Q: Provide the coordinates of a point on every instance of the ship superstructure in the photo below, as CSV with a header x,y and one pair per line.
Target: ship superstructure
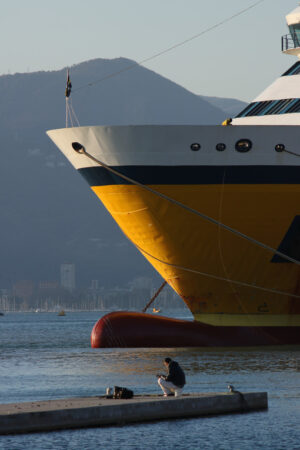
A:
x,y
215,209
279,104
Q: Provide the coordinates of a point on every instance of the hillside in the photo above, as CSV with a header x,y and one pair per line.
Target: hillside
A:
x,y
48,213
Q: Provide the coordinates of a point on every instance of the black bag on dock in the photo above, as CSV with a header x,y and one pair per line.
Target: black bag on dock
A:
x,y
122,392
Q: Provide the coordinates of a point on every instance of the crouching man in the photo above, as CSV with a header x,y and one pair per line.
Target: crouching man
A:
x,y
172,384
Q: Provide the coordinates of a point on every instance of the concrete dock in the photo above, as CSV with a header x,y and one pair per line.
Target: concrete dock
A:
x,y
98,411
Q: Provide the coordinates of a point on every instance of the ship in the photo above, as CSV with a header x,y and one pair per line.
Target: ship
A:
x,y
215,209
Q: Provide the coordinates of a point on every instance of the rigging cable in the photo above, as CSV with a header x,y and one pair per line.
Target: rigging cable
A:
x,y
70,113
173,47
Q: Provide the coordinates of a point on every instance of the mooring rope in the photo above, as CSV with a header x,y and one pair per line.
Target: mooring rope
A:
x,y
209,275
291,153
80,149
154,296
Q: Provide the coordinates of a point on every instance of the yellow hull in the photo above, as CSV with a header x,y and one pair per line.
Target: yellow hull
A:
x,y
225,280
197,258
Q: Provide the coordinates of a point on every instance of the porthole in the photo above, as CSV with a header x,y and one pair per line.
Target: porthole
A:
x,y
280,148
220,147
243,145
195,146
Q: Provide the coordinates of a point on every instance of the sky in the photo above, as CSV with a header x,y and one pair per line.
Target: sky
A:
x,y
238,59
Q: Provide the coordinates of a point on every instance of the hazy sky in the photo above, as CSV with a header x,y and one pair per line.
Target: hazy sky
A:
x,y
239,59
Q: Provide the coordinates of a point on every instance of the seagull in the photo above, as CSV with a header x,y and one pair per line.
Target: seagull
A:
x,y
231,388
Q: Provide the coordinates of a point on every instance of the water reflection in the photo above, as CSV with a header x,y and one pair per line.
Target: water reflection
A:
x,y
197,361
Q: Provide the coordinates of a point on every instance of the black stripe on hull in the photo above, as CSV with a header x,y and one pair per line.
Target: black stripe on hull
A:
x,y
151,175
290,245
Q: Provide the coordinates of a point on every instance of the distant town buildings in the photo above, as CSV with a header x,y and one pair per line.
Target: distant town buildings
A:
x,y
51,295
95,285
67,276
48,285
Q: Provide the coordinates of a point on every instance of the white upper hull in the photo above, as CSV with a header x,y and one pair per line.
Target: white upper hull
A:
x,y
171,145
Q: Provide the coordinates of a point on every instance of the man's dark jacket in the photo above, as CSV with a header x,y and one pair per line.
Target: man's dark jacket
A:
x,y
176,374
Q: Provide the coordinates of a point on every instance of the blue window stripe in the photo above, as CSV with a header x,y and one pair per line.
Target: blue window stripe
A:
x,y
268,107
295,107
253,111
248,109
284,105
293,70
272,107
259,108
288,106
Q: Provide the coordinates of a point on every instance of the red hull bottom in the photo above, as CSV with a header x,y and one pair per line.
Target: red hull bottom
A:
x,y
130,329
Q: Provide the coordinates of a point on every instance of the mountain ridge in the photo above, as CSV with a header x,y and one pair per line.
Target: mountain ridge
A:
x,y
48,213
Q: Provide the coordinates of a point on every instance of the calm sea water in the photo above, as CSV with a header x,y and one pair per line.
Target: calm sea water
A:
x,y
43,356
